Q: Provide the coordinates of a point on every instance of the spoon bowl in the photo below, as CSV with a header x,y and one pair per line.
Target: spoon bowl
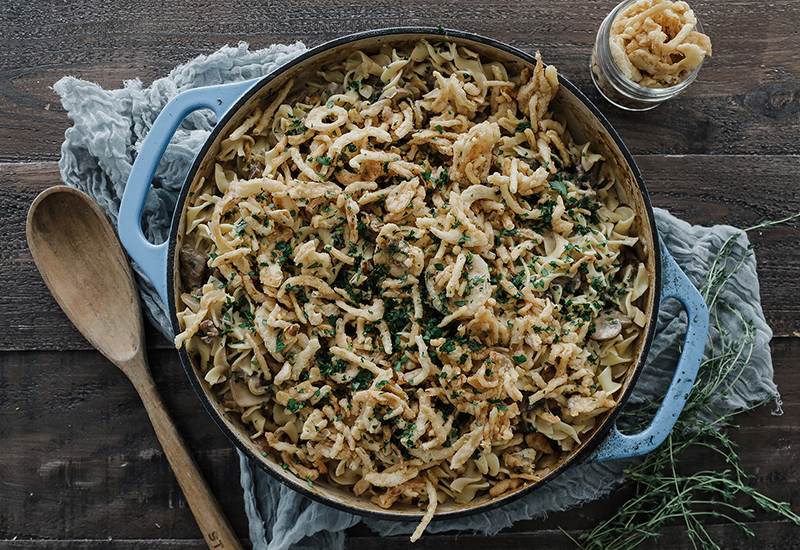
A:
x,y
81,261
83,264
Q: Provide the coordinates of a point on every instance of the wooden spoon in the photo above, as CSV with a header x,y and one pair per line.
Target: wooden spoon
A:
x,y
83,264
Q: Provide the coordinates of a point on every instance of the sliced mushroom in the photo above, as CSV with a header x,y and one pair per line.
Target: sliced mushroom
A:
x,y
240,390
526,401
194,267
256,169
209,330
217,274
569,284
256,383
609,324
624,320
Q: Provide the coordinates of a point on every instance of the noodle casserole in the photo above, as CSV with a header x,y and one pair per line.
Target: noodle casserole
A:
x,y
405,277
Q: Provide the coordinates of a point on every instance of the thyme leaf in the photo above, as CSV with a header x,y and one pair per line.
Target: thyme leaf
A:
x,y
666,493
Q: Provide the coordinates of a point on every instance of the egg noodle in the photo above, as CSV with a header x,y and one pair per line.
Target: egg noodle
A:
x,y
409,280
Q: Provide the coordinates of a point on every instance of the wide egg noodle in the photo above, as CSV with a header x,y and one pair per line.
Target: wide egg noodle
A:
x,y
415,283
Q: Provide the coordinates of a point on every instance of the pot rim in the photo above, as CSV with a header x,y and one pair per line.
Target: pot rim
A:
x,y
431,33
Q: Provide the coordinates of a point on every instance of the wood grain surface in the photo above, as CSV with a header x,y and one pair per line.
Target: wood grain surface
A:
x,y
81,466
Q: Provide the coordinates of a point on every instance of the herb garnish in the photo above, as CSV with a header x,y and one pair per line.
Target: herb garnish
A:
x,y
664,492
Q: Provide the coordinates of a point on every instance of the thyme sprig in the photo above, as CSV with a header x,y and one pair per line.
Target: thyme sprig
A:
x,y
663,493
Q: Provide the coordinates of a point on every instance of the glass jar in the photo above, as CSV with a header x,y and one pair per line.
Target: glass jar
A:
x,y
612,82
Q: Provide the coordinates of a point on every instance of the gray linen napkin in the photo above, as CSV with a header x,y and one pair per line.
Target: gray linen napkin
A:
x,y
97,156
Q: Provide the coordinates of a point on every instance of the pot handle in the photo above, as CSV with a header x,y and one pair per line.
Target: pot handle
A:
x,y
152,258
675,284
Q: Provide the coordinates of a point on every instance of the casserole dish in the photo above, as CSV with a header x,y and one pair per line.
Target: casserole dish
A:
x,y
235,102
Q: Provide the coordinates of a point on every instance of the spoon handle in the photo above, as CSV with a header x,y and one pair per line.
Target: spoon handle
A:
x,y
204,506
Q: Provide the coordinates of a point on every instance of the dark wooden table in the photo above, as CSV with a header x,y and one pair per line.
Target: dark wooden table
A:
x,y
80,466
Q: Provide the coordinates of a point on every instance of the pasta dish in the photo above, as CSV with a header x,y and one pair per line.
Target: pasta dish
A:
x,y
409,280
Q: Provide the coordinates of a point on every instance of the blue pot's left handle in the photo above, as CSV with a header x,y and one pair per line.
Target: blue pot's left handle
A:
x,y
152,258
675,284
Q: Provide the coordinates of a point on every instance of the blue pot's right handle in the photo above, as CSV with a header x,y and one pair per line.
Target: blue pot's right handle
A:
x,y
152,258
674,284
